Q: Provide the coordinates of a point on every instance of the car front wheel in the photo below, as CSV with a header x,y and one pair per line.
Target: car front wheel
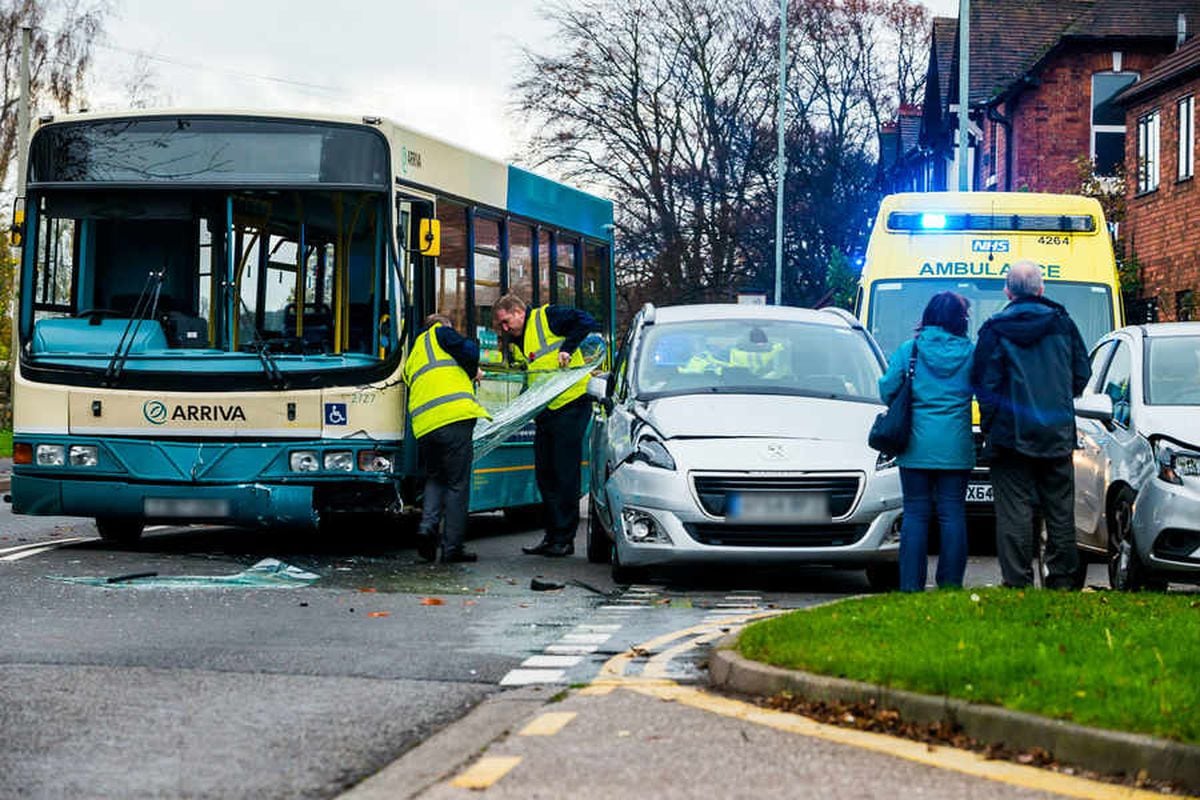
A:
x,y
599,546
1126,572
884,577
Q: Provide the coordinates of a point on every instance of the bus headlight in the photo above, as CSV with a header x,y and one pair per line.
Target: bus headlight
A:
x,y
304,461
83,455
339,461
50,455
374,461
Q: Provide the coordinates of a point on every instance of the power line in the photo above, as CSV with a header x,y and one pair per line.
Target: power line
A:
x,y
150,56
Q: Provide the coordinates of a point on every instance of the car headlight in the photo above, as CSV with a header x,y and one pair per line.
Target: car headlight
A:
x,y
642,527
304,461
1175,463
374,461
653,452
83,455
339,461
884,462
50,455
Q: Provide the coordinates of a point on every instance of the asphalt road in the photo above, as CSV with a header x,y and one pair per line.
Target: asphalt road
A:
x,y
231,692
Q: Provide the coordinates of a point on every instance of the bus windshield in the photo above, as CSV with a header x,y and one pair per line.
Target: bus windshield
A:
x,y
252,282
896,305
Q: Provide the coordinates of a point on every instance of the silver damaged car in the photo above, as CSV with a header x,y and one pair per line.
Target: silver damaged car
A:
x,y
1137,475
733,434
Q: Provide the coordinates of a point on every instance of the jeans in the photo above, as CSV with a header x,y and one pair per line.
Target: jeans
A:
x,y
924,490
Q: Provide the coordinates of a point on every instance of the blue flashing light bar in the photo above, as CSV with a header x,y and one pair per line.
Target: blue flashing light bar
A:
x,y
933,221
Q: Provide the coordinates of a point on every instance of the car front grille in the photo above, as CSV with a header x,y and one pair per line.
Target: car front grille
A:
x,y
713,490
720,535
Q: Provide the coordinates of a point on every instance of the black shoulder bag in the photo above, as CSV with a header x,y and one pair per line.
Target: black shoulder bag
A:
x,y
889,434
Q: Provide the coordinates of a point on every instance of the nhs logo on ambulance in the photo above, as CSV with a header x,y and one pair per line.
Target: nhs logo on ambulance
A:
x,y
989,245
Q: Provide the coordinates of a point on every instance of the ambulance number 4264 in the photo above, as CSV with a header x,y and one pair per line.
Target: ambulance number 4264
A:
x,y
1054,240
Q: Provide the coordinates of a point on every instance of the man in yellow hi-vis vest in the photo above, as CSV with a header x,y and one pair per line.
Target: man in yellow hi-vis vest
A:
x,y
441,372
547,338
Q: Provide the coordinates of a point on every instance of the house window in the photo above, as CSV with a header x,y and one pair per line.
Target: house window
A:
x,y
1108,120
1187,144
1147,152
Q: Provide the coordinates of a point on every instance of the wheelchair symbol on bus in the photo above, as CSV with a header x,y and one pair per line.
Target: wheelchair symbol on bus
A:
x,y
335,414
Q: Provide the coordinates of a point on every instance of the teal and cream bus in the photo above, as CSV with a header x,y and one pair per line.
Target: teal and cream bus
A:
x,y
214,310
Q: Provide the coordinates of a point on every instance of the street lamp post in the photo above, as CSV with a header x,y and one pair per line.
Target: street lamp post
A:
x,y
780,158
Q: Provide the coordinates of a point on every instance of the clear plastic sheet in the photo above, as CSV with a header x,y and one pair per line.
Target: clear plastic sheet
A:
x,y
516,414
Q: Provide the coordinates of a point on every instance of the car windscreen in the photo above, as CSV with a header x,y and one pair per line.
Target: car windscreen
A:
x,y
756,356
897,305
1173,371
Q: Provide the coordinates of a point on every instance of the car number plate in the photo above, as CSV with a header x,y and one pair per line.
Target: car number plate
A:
x,y
778,506
979,493
190,508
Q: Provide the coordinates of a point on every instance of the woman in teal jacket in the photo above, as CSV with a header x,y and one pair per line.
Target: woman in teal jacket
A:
x,y
941,452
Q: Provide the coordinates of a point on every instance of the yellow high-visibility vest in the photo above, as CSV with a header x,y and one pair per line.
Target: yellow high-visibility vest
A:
x,y
439,390
539,351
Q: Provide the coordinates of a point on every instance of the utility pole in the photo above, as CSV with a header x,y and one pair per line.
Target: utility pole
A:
x,y
964,93
780,158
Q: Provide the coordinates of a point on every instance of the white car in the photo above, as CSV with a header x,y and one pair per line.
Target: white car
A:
x,y
1137,475
734,434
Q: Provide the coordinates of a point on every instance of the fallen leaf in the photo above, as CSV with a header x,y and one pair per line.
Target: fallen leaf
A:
x,y
367,589
470,602
379,614
432,601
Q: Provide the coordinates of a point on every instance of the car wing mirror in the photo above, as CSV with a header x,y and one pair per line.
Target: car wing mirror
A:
x,y
597,389
1095,406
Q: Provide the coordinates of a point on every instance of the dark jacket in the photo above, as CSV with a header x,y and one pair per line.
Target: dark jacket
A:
x,y
941,410
463,350
570,323
1030,362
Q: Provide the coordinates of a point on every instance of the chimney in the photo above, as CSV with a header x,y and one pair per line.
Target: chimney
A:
x,y
1180,30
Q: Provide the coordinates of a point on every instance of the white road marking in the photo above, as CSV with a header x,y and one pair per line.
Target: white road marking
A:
x,y
50,543
596,628
551,661
624,608
571,649
27,553
525,677
586,638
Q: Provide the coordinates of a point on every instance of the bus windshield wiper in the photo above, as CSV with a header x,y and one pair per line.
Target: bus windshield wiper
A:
x,y
143,309
263,351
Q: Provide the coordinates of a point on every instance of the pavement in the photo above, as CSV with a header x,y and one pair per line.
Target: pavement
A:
x,y
637,729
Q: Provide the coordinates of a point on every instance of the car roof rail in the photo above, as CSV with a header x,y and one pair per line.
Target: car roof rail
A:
x,y
846,316
648,314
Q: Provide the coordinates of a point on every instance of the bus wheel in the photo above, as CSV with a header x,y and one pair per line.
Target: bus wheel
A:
x,y
119,530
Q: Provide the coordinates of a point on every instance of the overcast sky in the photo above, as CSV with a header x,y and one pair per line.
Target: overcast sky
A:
x,y
443,68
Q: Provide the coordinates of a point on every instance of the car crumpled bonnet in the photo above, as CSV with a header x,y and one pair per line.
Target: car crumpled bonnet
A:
x,y
720,416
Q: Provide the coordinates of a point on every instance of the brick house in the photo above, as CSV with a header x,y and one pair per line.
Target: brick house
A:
x,y
1043,75
1162,221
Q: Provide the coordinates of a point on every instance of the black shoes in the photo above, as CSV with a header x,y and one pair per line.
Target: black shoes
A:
x,y
427,546
549,549
459,557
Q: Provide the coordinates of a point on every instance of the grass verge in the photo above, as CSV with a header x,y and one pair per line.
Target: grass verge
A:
x,y
5,444
1127,662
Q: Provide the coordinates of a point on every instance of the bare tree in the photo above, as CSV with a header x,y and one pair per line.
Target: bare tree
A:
x,y
669,106
64,33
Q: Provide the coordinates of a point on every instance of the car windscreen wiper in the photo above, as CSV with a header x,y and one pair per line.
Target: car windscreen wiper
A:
x,y
144,308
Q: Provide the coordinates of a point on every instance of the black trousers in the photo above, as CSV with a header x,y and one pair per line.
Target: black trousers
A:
x,y
447,453
558,453
1022,486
